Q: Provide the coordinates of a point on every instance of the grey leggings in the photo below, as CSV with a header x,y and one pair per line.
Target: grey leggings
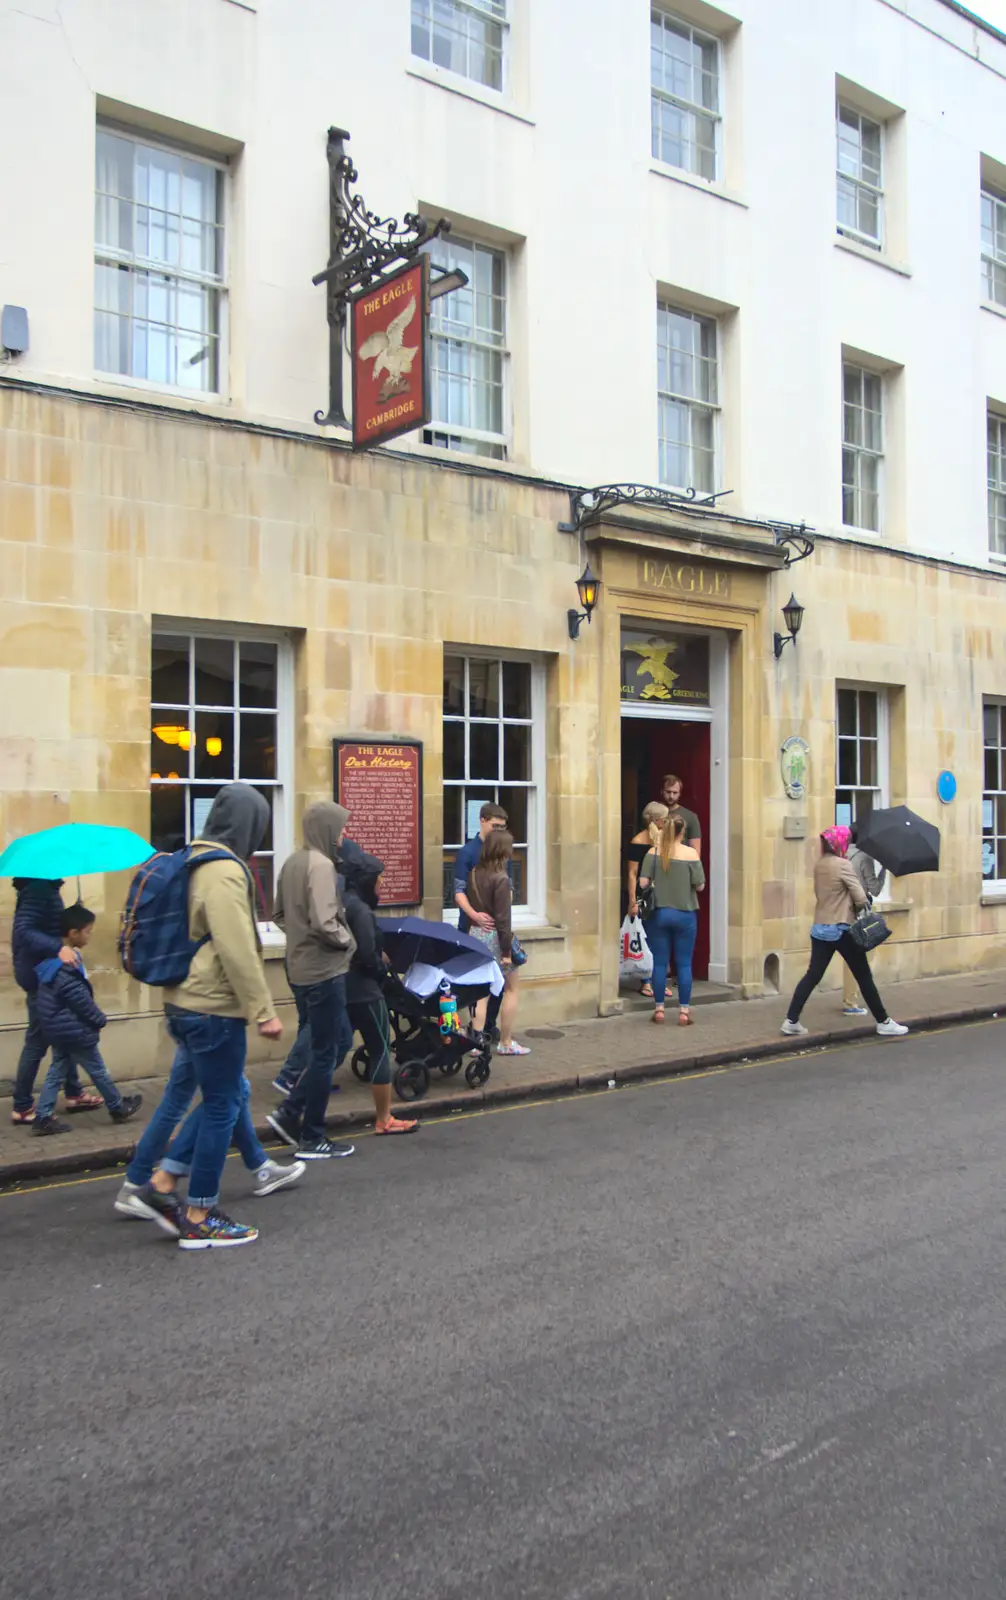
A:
x,y
370,1020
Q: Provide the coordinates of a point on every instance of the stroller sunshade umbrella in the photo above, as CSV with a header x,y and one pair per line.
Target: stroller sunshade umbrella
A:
x,y
407,940
424,979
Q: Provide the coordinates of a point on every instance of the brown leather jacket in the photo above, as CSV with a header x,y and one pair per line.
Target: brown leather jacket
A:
x,y
839,892
491,892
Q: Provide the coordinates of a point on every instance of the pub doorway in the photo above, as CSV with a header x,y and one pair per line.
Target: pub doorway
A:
x,y
674,687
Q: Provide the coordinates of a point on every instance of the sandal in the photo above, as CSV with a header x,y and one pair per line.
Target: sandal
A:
x,y
21,1119
395,1125
85,1101
512,1049
658,1014
684,1018
646,990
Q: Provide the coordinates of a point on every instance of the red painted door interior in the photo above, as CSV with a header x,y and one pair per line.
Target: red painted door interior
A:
x,y
652,748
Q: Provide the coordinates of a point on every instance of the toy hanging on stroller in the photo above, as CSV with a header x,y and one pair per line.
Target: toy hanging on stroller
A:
x,y
433,963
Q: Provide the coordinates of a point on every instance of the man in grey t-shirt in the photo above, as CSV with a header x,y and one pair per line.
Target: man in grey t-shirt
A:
x,y
670,793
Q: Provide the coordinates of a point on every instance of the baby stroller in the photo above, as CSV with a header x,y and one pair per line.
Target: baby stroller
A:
x,y
419,1047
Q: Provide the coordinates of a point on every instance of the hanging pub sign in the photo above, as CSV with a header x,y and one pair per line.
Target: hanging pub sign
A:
x,y
664,668
390,356
380,782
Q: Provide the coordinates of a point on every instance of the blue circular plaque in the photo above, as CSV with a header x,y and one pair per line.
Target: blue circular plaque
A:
x,y
946,787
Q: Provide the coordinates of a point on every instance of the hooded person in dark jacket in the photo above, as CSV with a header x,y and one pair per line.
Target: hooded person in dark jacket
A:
x,y
368,1009
71,1023
36,935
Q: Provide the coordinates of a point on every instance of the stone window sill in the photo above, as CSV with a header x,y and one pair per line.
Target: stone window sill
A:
x,y
489,98
660,169
878,258
889,907
993,897
990,305
540,933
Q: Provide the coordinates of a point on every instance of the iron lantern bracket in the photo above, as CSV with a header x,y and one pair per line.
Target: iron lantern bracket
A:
x,y
588,506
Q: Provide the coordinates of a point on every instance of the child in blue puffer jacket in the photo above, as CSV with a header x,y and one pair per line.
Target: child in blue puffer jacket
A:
x,y
71,1023
35,935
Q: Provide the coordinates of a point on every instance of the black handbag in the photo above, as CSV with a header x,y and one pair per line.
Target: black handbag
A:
x,y
646,901
869,930
518,955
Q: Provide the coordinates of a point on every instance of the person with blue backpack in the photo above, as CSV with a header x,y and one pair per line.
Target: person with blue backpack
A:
x,y
190,926
71,1022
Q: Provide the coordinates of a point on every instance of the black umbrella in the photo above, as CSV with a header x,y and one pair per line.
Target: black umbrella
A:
x,y
409,939
901,841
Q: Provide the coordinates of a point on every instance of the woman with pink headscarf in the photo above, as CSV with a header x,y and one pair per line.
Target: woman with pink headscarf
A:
x,y
840,896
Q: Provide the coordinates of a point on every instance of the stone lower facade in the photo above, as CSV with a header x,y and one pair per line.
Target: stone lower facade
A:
x,y
121,523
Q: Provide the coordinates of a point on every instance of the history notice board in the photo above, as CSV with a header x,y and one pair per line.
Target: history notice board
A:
x,y
381,786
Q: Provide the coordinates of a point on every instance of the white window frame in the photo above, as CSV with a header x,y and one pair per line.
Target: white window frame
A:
x,y
531,914
692,402
482,9
690,107
993,261
454,436
995,456
862,452
998,704
104,255
882,788
282,784
870,241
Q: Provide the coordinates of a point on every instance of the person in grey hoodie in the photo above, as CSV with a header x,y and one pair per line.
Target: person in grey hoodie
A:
x,y
319,947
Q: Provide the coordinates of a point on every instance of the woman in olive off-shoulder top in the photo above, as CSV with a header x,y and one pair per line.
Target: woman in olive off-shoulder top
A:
x,y
675,871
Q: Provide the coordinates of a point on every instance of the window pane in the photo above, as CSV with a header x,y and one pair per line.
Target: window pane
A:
x,y
483,750
868,762
516,689
847,711
169,670
847,772
213,755
454,686
867,714
454,749
483,689
257,757
990,724
518,877
517,753
167,817
991,771
170,744
453,834
214,672
257,668
515,804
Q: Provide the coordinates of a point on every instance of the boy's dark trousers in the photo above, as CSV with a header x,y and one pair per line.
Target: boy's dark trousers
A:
x,y
32,1054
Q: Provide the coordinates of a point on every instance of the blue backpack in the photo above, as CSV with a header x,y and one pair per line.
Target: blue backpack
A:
x,y
154,943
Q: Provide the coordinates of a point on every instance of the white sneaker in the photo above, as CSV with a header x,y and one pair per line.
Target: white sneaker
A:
x,y
127,1205
792,1027
854,1011
274,1175
891,1029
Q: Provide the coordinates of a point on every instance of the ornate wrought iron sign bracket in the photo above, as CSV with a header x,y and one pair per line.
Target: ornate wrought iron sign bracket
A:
x,y
588,506
362,246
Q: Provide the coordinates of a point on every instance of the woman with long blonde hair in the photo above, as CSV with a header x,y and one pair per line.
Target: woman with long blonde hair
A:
x,y
675,871
639,848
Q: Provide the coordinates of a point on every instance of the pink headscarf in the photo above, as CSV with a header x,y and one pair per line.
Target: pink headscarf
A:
x,y
838,838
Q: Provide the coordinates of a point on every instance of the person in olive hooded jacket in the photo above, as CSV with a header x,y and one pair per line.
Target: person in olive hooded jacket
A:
x,y
319,945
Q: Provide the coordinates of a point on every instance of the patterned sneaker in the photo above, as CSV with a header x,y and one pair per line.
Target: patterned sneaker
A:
x,y
164,1209
215,1232
275,1176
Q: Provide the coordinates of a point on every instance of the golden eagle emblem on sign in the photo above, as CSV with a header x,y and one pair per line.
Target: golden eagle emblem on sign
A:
x,y
654,665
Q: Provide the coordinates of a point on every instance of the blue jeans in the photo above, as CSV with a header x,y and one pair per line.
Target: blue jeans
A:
x,y
55,1079
32,1054
210,1056
323,1006
665,928
178,1160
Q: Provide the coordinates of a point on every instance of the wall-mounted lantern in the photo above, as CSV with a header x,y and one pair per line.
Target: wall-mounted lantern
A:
x,y
793,613
587,587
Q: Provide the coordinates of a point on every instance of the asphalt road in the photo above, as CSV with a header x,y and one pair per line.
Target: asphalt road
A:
x,y
733,1336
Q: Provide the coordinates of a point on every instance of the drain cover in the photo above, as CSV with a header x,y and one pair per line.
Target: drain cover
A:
x,y
545,1033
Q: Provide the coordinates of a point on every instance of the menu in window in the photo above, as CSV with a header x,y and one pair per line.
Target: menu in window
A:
x,y
381,786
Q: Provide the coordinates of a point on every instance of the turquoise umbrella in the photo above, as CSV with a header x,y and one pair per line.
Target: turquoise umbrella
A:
x,y
73,849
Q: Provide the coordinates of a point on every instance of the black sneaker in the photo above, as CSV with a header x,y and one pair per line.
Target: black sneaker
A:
x,y
129,1106
216,1231
164,1209
43,1126
284,1127
323,1149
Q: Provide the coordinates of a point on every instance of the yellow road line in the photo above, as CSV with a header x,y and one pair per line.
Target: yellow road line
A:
x,y
584,1097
